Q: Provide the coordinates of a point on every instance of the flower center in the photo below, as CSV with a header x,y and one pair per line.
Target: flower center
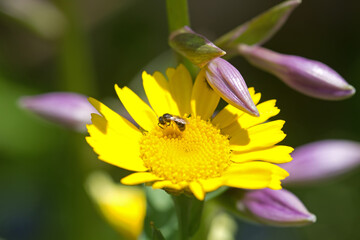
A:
x,y
198,152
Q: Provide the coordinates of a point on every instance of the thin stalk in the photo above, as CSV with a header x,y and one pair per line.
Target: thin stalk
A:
x,y
75,60
75,66
188,212
178,17
178,14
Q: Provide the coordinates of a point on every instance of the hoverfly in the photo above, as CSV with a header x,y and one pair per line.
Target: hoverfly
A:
x,y
167,119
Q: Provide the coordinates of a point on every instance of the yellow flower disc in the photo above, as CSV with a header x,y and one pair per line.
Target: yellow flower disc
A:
x,y
198,152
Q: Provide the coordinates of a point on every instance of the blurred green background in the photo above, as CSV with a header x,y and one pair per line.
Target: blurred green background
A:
x,y
88,45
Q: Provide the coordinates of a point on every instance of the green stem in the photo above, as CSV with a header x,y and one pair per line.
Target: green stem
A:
x,y
178,17
75,58
188,212
75,66
178,14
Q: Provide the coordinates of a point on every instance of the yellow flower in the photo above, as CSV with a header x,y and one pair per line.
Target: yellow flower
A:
x,y
231,149
123,207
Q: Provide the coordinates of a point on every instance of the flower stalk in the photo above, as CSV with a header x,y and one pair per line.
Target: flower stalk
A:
x,y
75,60
188,212
178,14
178,17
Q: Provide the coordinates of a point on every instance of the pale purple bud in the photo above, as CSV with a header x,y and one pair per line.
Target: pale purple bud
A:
x,y
227,81
275,207
307,76
322,160
67,109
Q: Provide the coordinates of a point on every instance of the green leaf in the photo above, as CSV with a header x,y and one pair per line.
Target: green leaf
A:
x,y
193,46
157,235
259,29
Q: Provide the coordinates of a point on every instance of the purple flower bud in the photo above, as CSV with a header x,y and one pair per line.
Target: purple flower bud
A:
x,y
275,207
322,160
307,76
227,81
70,110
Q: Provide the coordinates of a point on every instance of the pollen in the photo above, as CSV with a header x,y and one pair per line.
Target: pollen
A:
x,y
198,152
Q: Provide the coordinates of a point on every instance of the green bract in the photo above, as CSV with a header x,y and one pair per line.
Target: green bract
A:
x,y
193,46
259,29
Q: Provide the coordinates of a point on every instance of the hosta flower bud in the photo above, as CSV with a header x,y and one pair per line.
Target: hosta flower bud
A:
x,y
322,160
307,76
70,110
274,207
227,81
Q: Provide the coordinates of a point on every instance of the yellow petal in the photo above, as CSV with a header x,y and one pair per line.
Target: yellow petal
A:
x,y
266,110
211,184
157,91
226,116
170,72
137,108
123,207
256,166
140,177
259,136
203,99
249,181
256,97
275,154
103,127
230,114
115,121
275,184
166,184
197,190
180,85
254,175
113,147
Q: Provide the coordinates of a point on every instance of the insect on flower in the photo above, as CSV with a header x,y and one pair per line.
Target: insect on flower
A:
x,y
167,119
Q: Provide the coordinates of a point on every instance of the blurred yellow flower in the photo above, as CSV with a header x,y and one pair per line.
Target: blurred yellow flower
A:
x,y
188,150
122,206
